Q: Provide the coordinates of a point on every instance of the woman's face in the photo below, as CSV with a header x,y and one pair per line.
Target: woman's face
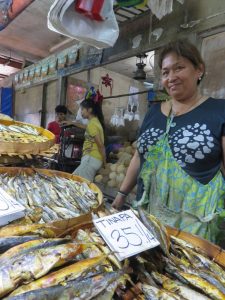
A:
x,y
179,76
85,112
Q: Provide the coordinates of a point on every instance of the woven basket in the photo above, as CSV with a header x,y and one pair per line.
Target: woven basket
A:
x,y
31,148
13,171
213,251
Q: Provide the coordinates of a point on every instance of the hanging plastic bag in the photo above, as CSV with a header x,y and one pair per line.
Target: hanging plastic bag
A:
x,y
132,112
137,114
121,118
117,118
160,8
63,19
114,118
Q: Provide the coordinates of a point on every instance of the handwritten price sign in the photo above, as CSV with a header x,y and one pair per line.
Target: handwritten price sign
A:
x,y
10,209
125,234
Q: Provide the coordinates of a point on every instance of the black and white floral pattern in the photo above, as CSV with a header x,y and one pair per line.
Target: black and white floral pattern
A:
x,y
189,144
149,138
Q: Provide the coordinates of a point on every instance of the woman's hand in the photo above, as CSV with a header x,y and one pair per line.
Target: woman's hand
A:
x,y
129,181
119,201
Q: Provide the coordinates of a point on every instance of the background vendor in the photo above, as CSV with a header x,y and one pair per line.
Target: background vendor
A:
x,y
94,156
54,126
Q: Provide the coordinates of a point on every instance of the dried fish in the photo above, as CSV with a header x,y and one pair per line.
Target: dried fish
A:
x,y
66,274
44,230
177,287
22,134
9,242
31,245
157,229
153,293
80,289
60,198
33,264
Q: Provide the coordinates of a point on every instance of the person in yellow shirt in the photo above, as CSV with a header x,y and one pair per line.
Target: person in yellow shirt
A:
x,y
93,157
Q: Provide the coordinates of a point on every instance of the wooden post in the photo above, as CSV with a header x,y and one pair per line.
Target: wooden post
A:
x,y
61,90
43,108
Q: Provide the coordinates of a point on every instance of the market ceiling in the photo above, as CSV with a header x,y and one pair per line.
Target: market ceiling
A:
x,y
27,39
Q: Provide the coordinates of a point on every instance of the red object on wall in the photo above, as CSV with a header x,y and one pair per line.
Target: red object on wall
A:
x,y
91,9
107,81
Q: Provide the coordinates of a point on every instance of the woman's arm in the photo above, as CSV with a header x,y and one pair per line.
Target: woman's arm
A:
x,y
101,148
74,123
129,181
79,125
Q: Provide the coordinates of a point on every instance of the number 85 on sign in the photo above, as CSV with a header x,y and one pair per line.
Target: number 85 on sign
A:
x,y
125,234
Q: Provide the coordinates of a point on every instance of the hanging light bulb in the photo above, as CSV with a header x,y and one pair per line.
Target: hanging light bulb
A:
x,y
140,74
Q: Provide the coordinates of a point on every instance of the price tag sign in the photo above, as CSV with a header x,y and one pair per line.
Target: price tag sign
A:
x,y
125,234
10,209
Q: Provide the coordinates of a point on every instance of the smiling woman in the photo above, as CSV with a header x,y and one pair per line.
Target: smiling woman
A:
x,y
182,67
181,149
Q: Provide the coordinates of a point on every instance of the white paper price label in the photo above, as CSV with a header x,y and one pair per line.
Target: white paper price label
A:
x,y
10,209
125,234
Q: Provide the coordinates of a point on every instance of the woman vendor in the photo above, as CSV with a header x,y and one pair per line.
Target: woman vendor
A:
x,y
181,149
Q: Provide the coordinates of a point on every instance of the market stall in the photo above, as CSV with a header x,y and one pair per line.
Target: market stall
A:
x,y
182,266
60,237
24,144
50,195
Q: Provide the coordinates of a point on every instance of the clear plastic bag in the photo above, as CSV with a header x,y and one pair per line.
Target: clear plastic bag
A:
x,y
63,19
160,8
117,118
132,112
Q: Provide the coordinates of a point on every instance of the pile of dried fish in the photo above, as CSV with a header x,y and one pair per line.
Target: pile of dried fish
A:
x,y
179,271
22,134
83,269
57,197
86,269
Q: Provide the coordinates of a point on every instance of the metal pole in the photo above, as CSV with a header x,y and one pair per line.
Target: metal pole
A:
x,y
125,95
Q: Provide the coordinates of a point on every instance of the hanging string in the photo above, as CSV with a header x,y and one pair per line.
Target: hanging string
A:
x,y
125,95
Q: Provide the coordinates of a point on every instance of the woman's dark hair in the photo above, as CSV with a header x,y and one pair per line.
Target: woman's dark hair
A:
x,y
185,49
96,110
61,109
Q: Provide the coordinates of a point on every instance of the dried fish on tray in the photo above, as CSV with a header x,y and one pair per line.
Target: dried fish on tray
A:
x,y
18,137
22,134
179,271
56,196
82,271
86,269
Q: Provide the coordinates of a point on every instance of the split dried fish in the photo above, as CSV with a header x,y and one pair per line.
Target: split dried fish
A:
x,y
80,289
61,276
26,267
21,134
